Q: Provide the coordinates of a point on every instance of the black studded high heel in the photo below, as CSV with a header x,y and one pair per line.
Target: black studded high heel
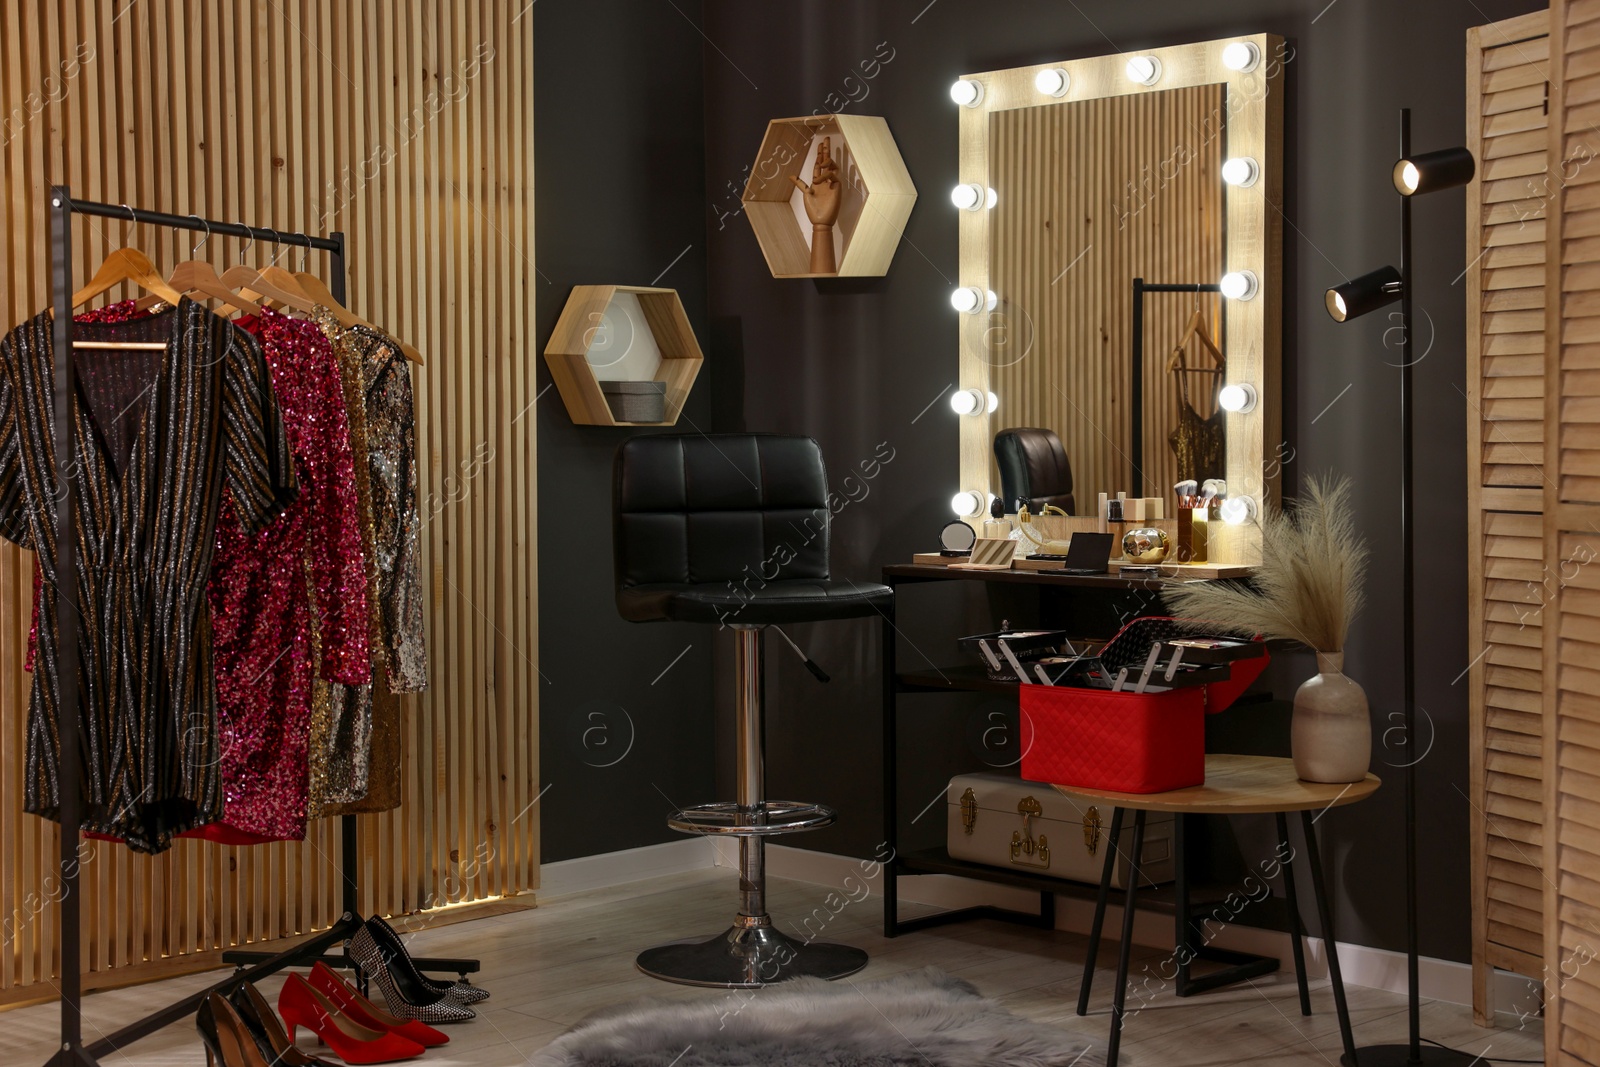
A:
x,y
397,978
462,992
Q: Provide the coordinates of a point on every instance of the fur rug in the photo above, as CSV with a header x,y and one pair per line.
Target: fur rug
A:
x,y
921,1019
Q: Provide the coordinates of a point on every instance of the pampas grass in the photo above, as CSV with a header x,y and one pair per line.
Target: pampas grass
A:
x,y
1309,584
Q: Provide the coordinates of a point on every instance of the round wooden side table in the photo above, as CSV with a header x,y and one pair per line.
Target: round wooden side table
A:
x,y
1235,785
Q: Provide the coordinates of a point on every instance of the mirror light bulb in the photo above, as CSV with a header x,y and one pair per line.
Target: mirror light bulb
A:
x,y
1241,171
994,402
967,504
1146,70
967,401
968,299
972,197
1240,284
1053,82
967,92
1238,510
1238,397
1242,56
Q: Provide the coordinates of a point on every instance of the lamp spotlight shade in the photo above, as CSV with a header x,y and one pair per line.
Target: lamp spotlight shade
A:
x,y
1369,292
1432,171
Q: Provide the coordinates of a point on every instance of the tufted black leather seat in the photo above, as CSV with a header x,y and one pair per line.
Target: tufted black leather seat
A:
x,y
1033,466
729,529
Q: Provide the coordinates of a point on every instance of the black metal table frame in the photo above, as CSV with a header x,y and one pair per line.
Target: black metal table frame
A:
x,y
1183,951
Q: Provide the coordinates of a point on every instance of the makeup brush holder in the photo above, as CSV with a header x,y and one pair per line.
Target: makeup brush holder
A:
x,y
1185,539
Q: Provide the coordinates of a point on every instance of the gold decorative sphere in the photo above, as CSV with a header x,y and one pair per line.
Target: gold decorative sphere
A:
x,y
1144,545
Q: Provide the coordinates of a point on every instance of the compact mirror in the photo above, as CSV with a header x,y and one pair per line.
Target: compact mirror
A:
x,y
957,538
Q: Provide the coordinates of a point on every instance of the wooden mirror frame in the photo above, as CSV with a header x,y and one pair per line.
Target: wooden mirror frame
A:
x,y
1252,333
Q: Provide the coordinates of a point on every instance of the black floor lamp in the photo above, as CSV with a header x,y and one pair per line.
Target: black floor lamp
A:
x,y
1413,175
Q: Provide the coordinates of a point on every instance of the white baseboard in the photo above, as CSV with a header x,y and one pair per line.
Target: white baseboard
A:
x,y
588,873
1443,980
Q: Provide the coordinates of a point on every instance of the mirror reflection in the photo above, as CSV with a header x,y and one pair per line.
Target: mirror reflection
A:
x,y
1089,196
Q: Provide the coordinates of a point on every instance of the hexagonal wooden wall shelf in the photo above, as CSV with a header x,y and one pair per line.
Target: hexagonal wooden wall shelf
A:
x,y
877,195
613,316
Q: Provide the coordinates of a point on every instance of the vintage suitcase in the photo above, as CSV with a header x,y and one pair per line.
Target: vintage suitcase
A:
x,y
1007,822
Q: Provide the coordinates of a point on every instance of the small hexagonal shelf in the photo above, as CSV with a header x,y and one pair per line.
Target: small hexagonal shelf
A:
x,y
621,333
876,195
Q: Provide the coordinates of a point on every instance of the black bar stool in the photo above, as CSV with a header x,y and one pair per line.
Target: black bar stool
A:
x,y
732,530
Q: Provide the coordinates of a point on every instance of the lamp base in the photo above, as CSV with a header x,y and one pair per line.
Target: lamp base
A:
x,y
1400,1056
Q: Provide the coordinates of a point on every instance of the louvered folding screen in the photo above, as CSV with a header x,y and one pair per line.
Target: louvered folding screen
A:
x,y
1571,581
1507,129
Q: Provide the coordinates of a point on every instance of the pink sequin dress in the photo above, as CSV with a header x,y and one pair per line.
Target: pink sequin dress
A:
x,y
262,603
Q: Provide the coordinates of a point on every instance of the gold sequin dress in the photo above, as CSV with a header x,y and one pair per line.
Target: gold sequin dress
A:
x,y
382,376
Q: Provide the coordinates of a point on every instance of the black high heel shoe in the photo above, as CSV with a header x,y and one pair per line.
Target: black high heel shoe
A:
x,y
262,1022
402,985
462,992
228,1041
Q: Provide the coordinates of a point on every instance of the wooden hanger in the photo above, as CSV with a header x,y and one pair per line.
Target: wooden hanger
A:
x,y
1197,328
261,286
315,289
125,265
199,276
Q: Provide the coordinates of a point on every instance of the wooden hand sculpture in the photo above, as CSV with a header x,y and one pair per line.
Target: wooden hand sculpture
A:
x,y
822,207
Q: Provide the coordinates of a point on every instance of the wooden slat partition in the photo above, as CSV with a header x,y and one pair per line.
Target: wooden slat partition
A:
x,y
1571,580
1507,70
1093,184
409,127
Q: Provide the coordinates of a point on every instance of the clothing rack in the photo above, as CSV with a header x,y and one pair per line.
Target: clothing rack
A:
x,y
249,965
1136,408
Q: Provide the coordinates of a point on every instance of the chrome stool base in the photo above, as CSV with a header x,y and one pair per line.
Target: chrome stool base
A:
x,y
749,954
748,957
770,818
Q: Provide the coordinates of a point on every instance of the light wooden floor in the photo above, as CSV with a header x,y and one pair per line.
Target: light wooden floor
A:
x,y
551,966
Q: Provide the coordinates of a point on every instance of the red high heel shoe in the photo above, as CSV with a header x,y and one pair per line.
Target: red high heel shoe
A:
x,y
349,1000
302,1004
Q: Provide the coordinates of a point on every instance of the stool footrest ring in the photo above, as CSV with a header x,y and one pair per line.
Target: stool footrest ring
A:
x,y
768,819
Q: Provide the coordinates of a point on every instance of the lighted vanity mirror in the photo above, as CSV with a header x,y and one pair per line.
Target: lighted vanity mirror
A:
x,y
1079,177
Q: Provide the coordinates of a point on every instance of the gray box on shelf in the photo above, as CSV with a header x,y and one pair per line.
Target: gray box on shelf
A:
x,y
636,401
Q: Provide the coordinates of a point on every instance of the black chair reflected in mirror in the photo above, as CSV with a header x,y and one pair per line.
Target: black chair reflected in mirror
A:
x,y
732,530
1033,468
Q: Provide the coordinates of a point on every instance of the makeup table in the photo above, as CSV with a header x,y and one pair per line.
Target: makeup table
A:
x,y
1088,606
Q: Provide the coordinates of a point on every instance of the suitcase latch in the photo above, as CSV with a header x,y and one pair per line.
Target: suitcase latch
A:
x,y
969,810
1091,829
1025,851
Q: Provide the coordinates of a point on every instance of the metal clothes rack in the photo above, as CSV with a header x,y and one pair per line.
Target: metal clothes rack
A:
x,y
249,965
1136,408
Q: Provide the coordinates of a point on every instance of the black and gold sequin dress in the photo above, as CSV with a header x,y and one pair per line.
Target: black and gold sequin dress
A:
x,y
382,378
160,434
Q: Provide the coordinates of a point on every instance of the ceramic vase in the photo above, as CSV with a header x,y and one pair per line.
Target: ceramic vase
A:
x,y
1331,733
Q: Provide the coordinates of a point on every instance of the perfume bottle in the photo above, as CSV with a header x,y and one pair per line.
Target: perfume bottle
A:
x,y
997,525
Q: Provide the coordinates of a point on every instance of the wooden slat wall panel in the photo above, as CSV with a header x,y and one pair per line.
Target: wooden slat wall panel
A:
x,y
1571,488
410,128
1507,76
1079,184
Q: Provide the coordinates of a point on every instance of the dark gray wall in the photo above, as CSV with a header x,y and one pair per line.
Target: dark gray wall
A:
x,y
856,363
620,184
